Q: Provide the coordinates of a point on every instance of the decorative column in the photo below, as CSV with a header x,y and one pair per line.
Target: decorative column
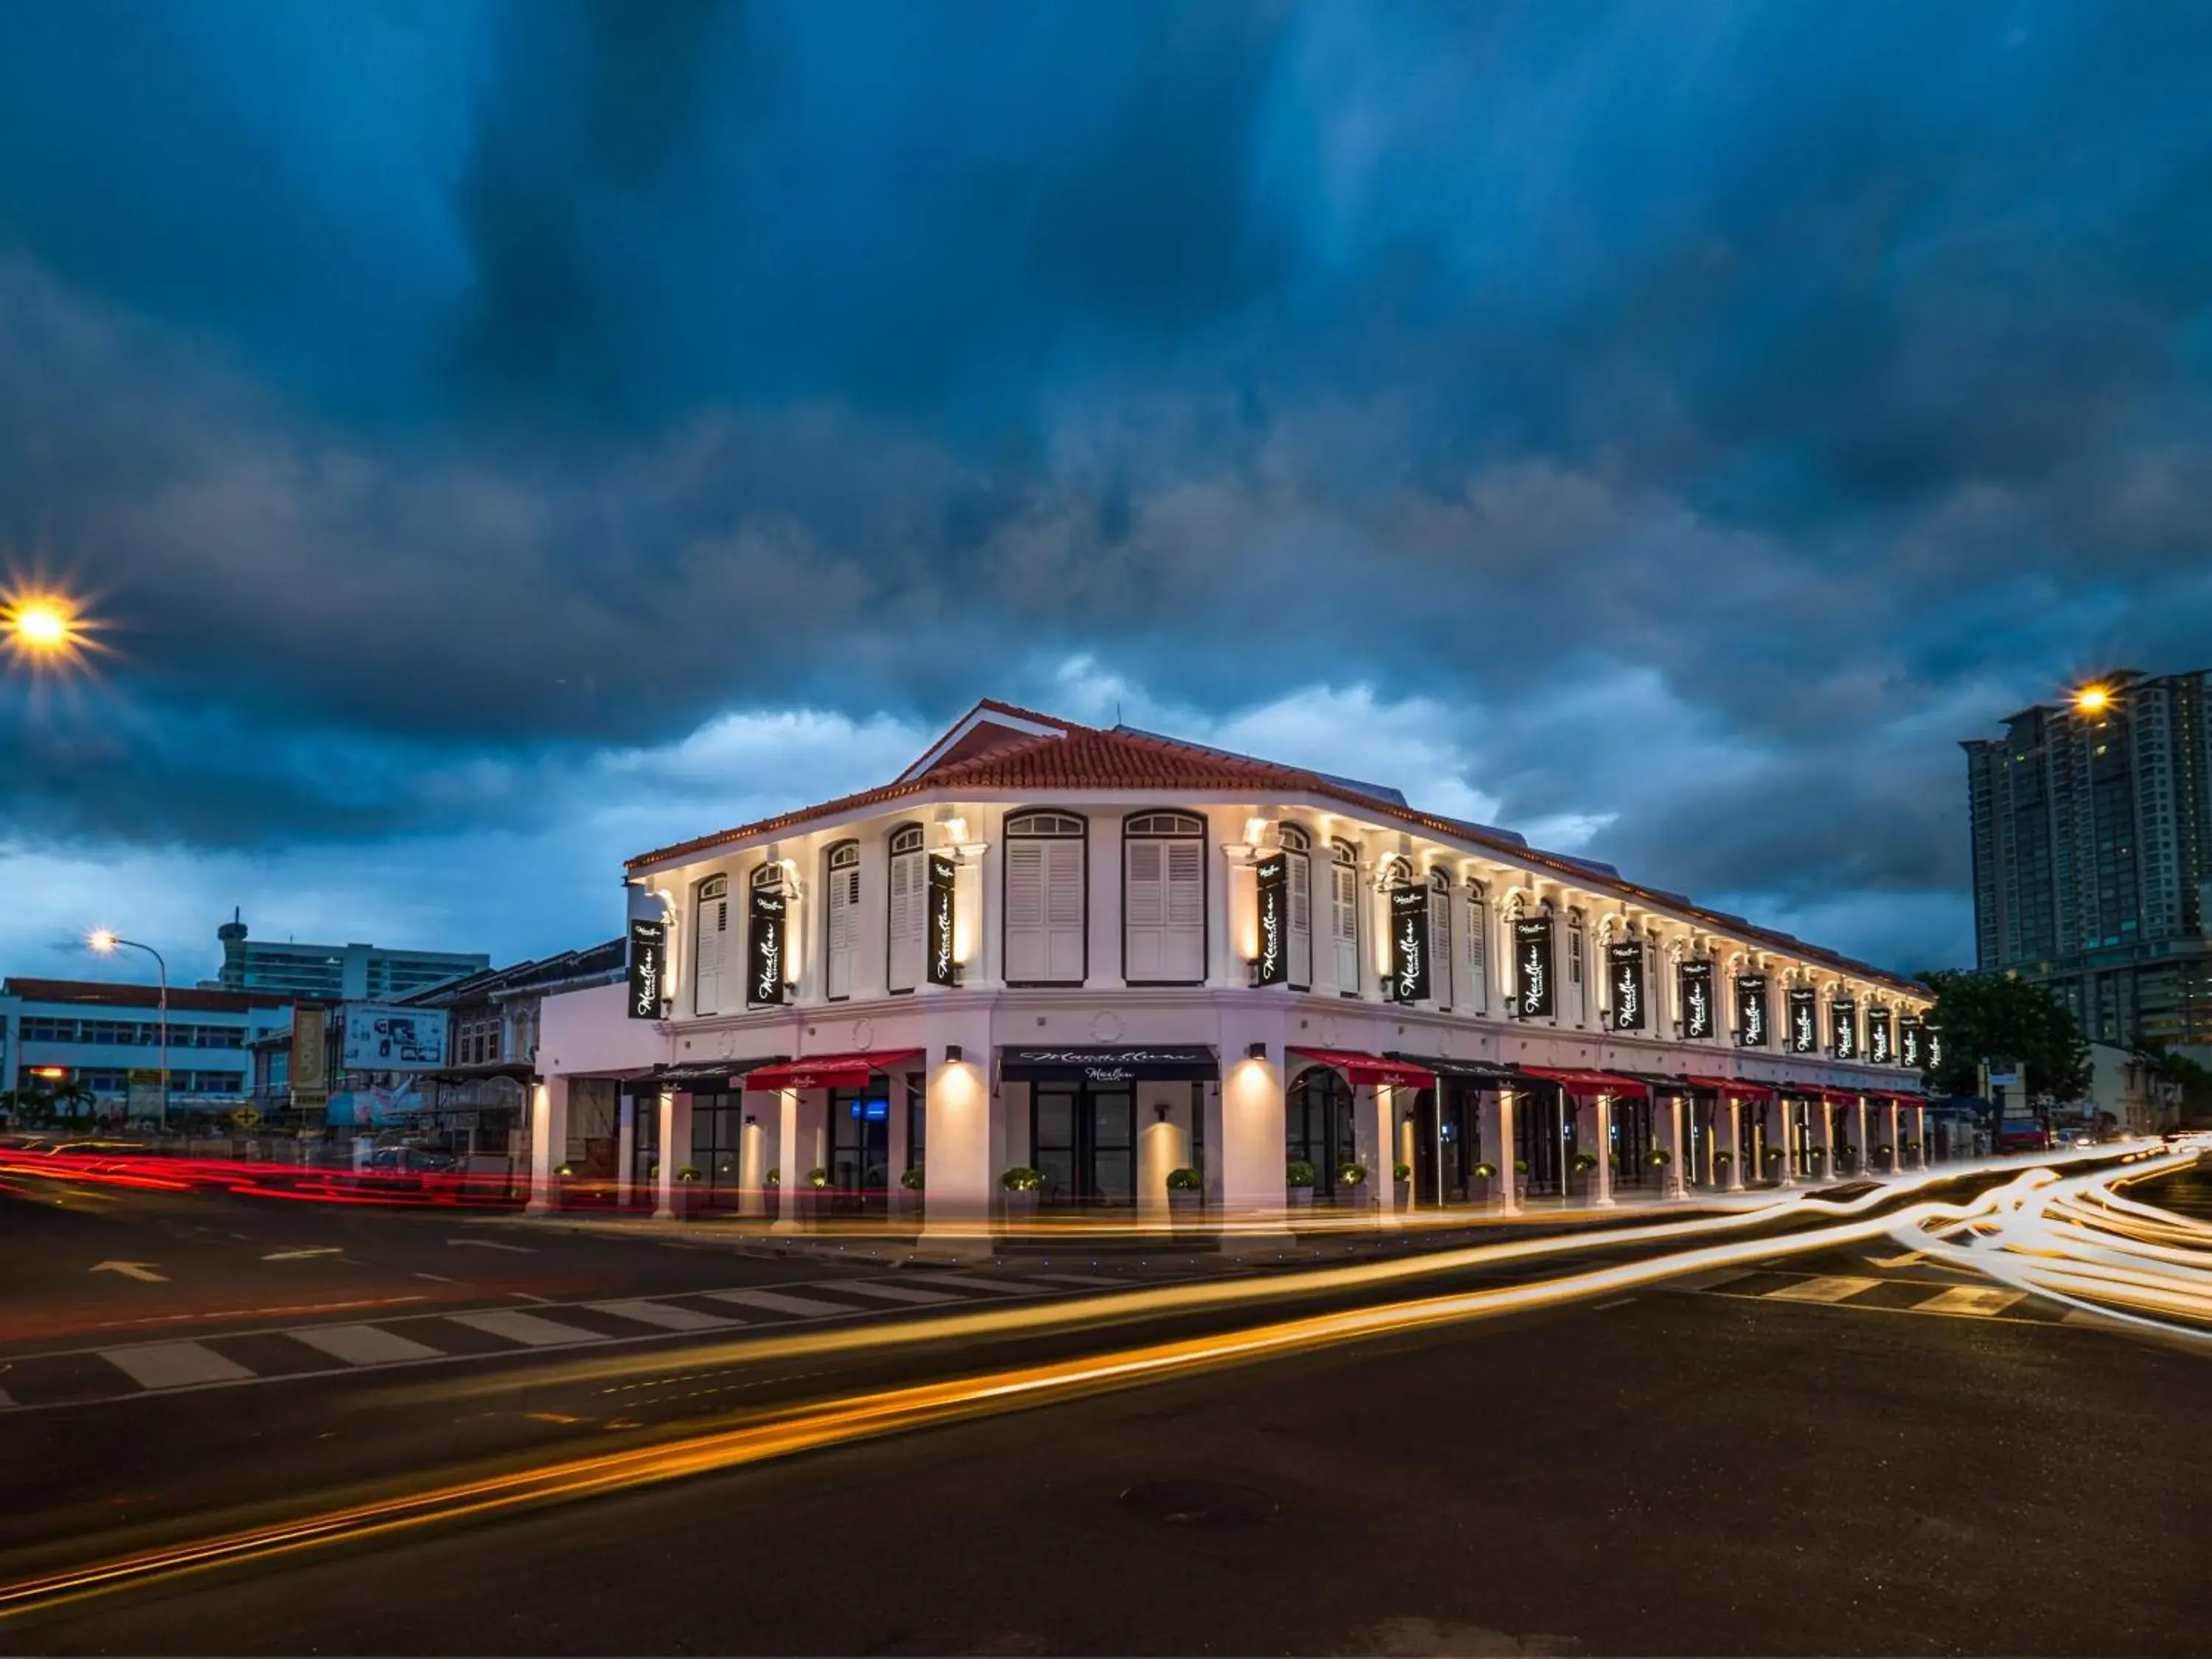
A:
x,y
1734,1143
752,1166
1920,1135
548,1143
1676,1184
791,1169
625,1147
958,1180
1500,1145
675,1150
1603,1196
1825,1137
1780,1131
1866,1150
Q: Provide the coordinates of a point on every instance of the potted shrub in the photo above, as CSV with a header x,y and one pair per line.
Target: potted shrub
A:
x,y
1912,1151
1487,1172
1402,1185
1023,1185
772,1192
1884,1155
1352,1184
912,1179
1657,1161
1186,1194
1773,1164
1723,1160
1584,1164
1814,1157
1847,1158
1298,1177
684,1198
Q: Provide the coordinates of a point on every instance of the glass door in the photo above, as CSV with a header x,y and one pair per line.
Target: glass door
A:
x,y
1083,1141
859,1147
1632,1140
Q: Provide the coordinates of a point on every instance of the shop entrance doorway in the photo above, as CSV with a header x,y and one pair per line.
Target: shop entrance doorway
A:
x,y
1083,1141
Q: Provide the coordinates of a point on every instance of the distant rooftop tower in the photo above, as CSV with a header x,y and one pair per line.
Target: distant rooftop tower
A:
x,y
233,929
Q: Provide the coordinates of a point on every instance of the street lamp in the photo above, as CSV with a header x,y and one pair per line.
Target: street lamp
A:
x,y
106,943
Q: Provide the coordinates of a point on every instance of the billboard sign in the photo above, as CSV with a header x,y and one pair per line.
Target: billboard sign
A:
x,y
380,1037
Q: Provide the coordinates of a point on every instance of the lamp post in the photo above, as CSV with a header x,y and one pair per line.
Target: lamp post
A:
x,y
107,943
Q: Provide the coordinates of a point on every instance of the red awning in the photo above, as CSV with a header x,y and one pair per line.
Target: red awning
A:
x,y
1590,1082
1721,1086
1366,1070
828,1070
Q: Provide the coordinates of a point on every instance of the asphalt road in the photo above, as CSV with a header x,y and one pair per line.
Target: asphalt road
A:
x,y
1829,1393
1704,1471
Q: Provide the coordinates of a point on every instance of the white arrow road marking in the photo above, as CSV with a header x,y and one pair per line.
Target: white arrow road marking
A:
x,y
142,1270
298,1255
486,1245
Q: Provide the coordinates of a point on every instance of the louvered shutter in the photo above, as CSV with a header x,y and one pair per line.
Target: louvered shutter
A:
x,y
909,903
1301,886
1063,911
1184,933
1343,924
1144,908
1026,929
710,948
1440,946
1478,957
844,898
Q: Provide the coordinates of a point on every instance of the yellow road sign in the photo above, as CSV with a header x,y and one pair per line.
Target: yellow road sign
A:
x,y
246,1117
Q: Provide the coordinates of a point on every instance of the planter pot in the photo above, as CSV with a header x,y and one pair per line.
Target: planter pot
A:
x,y
1401,1194
1301,1198
1021,1207
1186,1208
1355,1197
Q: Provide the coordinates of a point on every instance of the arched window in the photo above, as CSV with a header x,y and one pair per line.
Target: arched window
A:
x,y
710,945
908,927
1297,881
1476,994
1344,915
1440,937
1163,899
1046,900
841,912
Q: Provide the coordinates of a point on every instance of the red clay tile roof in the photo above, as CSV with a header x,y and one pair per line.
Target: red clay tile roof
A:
x,y
1089,757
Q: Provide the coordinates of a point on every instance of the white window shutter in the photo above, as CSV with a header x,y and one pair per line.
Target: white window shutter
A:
x,y
710,948
1478,957
1063,911
1026,929
1440,946
1144,907
1183,930
1300,882
908,907
844,898
1344,923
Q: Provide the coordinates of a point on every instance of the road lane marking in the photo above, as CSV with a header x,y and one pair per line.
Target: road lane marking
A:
x,y
778,1302
1981,1299
173,1364
143,1271
1081,1279
531,1329
666,1315
6,1400
1822,1290
975,1282
301,1255
438,1278
1618,1302
890,1292
363,1345
490,1244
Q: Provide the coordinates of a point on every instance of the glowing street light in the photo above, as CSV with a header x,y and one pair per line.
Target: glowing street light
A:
x,y
44,629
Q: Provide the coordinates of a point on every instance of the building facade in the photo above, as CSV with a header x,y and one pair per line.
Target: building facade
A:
x,y
335,973
2092,836
107,1039
1104,955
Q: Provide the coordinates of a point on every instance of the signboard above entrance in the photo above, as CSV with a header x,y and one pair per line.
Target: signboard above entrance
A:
x,y
1165,1063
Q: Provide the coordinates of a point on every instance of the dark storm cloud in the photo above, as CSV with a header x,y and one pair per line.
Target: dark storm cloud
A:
x,y
451,380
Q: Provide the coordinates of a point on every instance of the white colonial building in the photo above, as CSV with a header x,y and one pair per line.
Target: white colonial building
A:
x,y
1105,955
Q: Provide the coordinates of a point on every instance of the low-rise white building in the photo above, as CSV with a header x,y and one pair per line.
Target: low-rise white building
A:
x,y
107,1039
1106,954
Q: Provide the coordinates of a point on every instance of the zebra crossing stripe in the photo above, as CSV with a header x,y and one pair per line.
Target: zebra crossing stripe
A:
x,y
1079,1278
975,1282
1984,1300
363,1345
666,1315
777,1302
1836,1289
532,1330
173,1364
905,1293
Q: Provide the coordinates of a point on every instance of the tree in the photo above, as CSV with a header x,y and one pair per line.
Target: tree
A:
x,y
2000,1017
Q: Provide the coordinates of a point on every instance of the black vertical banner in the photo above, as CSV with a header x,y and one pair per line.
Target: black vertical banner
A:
x,y
1624,968
1843,1029
764,950
1934,1047
1533,997
648,967
1879,1051
1409,944
1274,874
1751,1029
1911,1045
943,873
1804,1021
1697,991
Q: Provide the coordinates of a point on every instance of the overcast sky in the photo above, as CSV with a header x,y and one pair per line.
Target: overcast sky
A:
x,y
508,437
